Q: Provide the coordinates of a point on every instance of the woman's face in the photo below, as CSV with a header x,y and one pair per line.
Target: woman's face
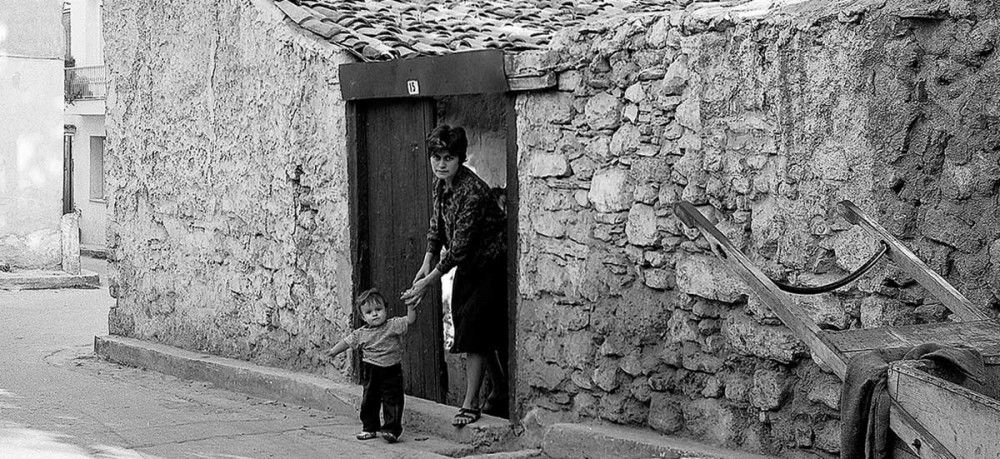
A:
x,y
444,165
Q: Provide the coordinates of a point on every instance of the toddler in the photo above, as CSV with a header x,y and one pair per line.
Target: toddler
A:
x,y
380,341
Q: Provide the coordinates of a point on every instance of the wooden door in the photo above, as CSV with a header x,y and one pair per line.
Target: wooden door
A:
x,y
394,207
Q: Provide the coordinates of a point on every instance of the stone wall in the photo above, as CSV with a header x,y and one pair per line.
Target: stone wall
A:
x,y
227,181
764,119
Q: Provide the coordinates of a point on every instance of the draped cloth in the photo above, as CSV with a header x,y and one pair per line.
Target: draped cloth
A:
x,y
864,397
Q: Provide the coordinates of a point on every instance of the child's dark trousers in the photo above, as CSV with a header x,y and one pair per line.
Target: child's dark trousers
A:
x,y
383,389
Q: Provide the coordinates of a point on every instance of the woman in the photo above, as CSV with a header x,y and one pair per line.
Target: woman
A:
x,y
468,222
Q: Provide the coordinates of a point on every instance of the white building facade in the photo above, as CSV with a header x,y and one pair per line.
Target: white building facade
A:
x,y
31,166
85,92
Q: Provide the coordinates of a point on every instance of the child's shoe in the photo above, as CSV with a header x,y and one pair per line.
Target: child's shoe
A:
x,y
366,435
390,437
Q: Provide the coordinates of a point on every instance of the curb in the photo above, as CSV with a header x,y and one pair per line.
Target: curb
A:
x,y
94,251
40,280
573,441
489,434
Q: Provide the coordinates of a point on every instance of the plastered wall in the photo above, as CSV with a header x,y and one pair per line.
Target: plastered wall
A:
x,y
31,50
227,182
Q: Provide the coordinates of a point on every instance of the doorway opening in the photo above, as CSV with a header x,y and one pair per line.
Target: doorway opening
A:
x,y
392,187
484,118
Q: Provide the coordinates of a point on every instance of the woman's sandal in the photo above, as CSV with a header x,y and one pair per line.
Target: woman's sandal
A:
x,y
366,435
465,416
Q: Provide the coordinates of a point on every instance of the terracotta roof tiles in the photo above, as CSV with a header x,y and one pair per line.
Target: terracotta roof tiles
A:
x,y
376,30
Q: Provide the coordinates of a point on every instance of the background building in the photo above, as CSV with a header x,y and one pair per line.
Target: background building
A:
x,y
31,159
85,91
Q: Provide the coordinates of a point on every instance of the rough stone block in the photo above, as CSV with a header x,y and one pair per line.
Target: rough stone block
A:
x,y
548,224
585,404
660,279
827,392
548,165
748,337
546,376
939,225
879,311
581,380
853,248
579,349
603,111
688,113
737,387
645,193
625,140
610,191
676,76
713,387
606,376
702,308
570,80
710,419
665,414
827,436
640,389
650,170
636,93
681,327
769,389
700,361
640,229
707,277
824,309
631,364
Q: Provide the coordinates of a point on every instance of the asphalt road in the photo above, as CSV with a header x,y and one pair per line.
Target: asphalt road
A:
x,y
58,400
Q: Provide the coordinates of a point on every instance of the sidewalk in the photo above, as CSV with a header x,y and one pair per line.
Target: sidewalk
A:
x,y
489,434
489,437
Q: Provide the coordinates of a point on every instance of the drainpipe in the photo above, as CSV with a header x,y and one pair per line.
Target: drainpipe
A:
x,y
68,132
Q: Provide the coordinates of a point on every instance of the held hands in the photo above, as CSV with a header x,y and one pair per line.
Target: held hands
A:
x,y
415,294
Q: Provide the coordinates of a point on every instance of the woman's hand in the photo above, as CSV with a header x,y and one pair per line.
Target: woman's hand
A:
x,y
424,270
415,294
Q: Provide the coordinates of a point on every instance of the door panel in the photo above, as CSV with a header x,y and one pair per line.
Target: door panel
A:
x,y
394,192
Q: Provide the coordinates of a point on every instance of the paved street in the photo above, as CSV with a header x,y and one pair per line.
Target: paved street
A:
x,y
58,400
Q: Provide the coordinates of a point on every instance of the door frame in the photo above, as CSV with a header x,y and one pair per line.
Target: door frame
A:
x,y
475,72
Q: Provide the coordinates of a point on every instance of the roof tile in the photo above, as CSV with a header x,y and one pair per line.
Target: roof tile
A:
x,y
389,29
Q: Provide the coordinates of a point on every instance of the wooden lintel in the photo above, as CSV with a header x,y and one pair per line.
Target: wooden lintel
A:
x,y
534,82
470,72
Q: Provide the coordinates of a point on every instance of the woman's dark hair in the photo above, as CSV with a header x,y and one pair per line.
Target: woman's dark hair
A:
x,y
450,139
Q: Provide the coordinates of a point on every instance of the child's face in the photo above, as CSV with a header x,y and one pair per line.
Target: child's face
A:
x,y
444,165
373,313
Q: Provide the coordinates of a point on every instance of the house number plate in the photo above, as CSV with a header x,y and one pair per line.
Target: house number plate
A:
x,y
412,87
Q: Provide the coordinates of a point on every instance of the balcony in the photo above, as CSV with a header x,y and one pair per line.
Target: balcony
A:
x,y
86,83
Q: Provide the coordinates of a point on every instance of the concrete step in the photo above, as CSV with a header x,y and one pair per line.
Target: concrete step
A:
x,y
37,279
577,441
489,434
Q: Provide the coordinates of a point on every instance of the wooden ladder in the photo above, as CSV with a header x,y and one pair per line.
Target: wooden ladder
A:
x,y
971,326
